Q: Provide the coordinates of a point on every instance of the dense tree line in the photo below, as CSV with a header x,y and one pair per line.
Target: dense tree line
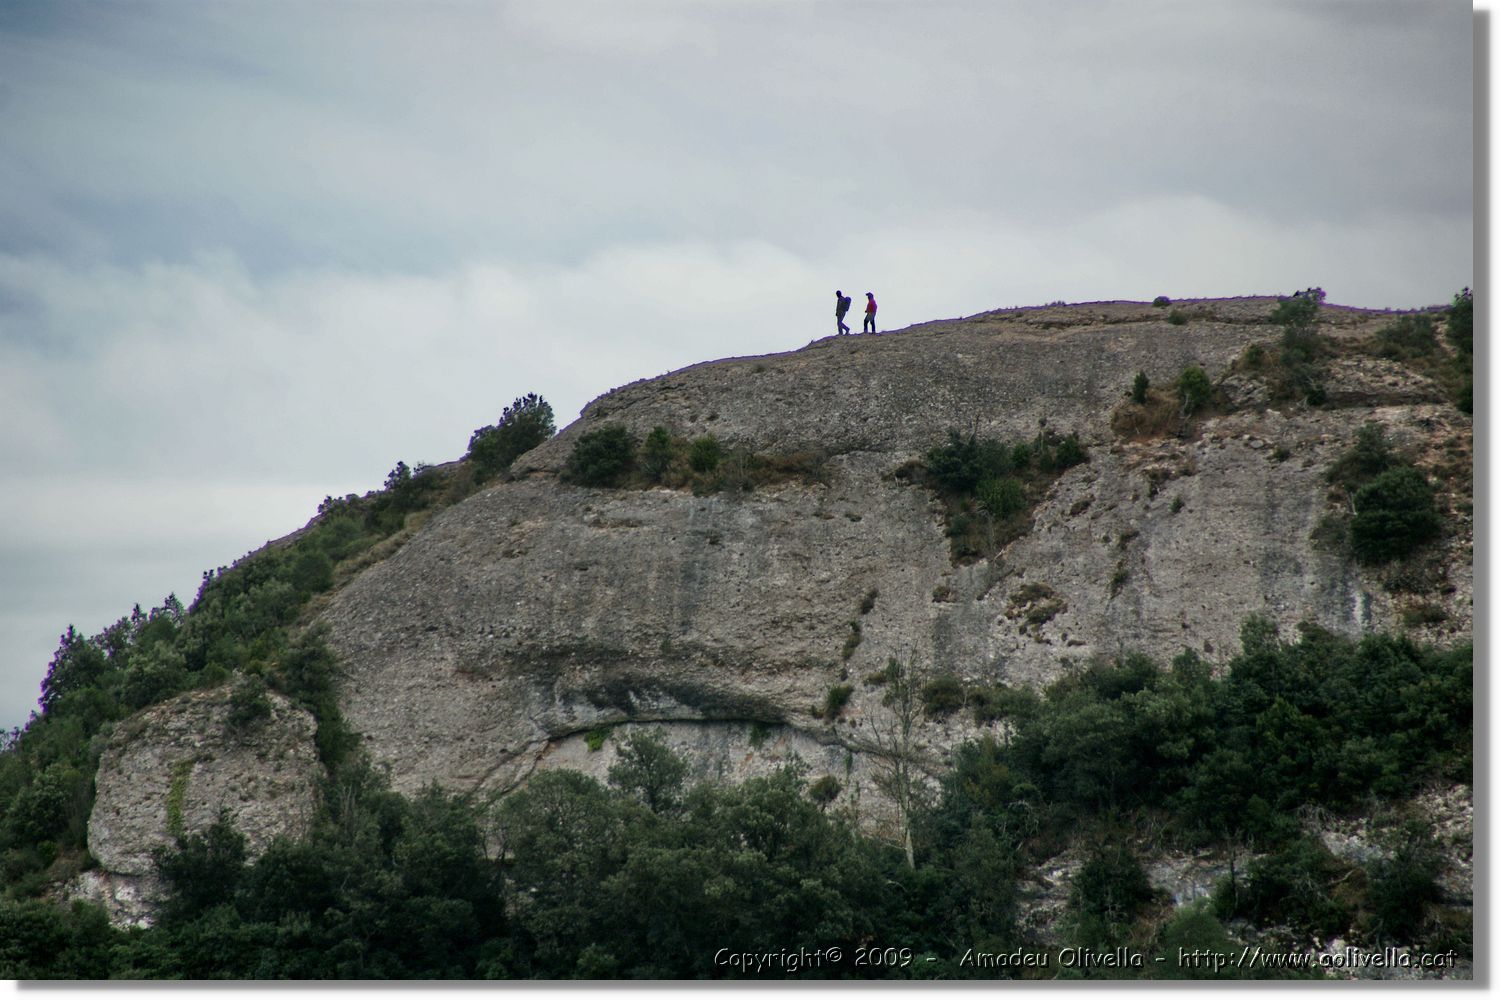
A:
x,y
648,876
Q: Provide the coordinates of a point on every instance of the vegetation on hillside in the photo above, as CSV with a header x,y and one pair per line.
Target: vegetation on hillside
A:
x,y
651,876
1295,367
246,625
1392,508
1152,411
989,488
523,425
612,457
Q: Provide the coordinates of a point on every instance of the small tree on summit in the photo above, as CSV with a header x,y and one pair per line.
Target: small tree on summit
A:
x,y
525,424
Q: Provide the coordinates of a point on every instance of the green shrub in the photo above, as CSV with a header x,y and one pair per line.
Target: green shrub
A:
x,y
1461,322
44,810
1461,336
852,640
824,790
1419,615
942,696
1299,310
649,769
311,572
1138,389
1404,883
182,773
1002,498
596,738
1111,889
1393,514
976,477
1299,376
249,704
202,872
1161,300
523,425
838,696
1177,317
1069,452
1408,337
1370,455
705,454
996,703
958,467
602,457
1293,886
1189,938
656,454
1194,390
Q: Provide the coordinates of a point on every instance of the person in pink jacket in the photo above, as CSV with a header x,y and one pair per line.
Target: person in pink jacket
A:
x,y
869,326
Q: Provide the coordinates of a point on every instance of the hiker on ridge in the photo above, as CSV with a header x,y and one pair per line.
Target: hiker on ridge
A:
x,y
869,326
840,308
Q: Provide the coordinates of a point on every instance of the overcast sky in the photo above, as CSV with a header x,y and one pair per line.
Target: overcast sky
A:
x,y
254,253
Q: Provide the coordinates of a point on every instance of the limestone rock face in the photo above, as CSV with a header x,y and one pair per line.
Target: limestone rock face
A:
x,y
537,624
536,611
172,768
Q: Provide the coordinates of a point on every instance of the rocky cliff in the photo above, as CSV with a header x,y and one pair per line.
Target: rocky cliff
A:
x,y
536,611
516,627
174,768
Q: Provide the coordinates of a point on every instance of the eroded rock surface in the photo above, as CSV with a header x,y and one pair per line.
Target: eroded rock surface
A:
x,y
534,613
536,610
171,769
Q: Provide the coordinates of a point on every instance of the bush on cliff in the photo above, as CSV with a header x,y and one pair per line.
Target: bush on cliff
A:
x,y
989,487
1393,514
523,425
601,458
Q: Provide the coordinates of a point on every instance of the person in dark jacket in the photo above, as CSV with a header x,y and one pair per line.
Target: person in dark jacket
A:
x,y
869,326
841,303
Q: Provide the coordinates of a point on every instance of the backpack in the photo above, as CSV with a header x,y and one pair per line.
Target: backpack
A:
x,y
844,303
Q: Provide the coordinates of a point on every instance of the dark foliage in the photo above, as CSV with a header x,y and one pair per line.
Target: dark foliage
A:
x,y
942,696
1325,719
1407,337
1369,457
1138,389
1300,375
1194,390
1393,514
601,458
1403,884
1461,336
989,487
1292,886
523,425
1461,322
656,454
1298,311
1109,892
